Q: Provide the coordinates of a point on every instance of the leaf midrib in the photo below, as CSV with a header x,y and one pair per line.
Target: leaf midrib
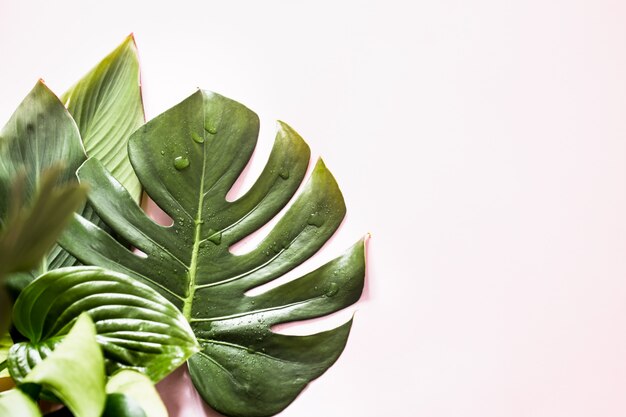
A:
x,y
193,266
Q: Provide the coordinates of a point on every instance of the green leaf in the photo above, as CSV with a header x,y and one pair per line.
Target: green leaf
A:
x,y
107,106
138,387
5,345
31,228
121,405
38,137
74,372
136,327
15,403
187,160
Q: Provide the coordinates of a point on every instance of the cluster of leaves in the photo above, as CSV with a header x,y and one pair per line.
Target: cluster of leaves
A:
x,y
185,295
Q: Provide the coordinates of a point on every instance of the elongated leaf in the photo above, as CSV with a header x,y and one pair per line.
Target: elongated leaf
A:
x,y
31,228
40,135
138,387
136,327
106,104
15,403
187,160
74,373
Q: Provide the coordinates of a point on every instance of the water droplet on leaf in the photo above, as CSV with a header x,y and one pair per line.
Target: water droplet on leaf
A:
x,y
197,138
284,174
315,219
180,163
211,129
332,289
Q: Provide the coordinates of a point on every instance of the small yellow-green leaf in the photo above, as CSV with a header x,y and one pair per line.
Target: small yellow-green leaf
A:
x,y
5,344
139,388
15,403
74,372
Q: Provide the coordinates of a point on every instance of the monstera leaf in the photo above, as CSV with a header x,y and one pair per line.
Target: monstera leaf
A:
x,y
187,160
136,327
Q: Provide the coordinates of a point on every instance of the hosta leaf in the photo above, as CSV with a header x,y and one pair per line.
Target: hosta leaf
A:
x,y
187,160
74,372
106,104
138,387
15,403
38,136
136,327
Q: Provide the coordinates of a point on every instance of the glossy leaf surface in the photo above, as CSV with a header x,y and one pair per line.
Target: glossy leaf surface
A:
x,y
187,160
107,107
121,405
136,327
74,372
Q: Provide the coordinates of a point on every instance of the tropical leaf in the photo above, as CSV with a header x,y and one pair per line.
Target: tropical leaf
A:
x,y
74,372
16,403
140,388
136,327
31,228
187,159
107,107
38,137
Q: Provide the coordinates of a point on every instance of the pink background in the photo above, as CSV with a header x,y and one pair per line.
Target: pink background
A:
x,y
482,143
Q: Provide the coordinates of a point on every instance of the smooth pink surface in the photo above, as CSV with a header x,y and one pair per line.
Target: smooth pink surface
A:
x,y
481,142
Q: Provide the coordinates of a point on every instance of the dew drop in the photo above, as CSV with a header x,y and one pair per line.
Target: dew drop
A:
x,y
211,129
162,152
315,219
275,247
332,289
284,174
180,163
197,138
